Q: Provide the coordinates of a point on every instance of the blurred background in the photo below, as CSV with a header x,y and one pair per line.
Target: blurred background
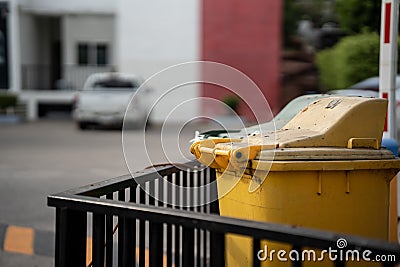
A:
x,y
288,48
51,52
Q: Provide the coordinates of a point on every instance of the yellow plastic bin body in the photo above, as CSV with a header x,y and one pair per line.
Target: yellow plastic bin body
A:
x,y
345,197
323,170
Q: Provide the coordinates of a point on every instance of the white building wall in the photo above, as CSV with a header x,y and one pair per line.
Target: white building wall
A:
x,y
86,29
36,35
90,29
144,38
29,36
23,12
14,46
153,35
36,39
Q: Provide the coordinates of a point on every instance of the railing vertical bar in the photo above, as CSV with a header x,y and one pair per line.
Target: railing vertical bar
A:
x,y
132,193
156,244
109,236
217,240
214,205
169,192
198,233
339,263
202,193
162,202
256,248
160,192
207,178
297,263
166,188
200,242
98,239
207,210
155,229
168,251
152,193
121,228
129,253
142,231
71,238
185,193
190,190
172,192
187,246
217,249
129,230
171,186
202,201
186,203
187,233
178,205
60,245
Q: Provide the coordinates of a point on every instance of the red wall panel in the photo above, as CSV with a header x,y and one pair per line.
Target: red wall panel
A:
x,y
245,35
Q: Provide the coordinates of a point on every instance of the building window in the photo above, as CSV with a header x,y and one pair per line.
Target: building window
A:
x,y
102,54
83,54
92,54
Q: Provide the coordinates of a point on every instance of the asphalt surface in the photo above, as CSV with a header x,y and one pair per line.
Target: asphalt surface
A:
x,y
50,156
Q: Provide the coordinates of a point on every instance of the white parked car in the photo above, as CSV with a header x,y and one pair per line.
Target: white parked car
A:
x,y
105,98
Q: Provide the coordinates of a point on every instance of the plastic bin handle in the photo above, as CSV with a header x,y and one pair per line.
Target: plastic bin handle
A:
x,y
371,143
216,152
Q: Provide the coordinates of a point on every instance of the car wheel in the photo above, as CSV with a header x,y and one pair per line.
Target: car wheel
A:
x,y
82,125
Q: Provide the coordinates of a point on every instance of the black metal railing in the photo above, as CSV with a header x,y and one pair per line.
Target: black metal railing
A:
x,y
129,227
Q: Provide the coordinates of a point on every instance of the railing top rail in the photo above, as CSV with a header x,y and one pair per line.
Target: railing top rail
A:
x,y
125,181
298,236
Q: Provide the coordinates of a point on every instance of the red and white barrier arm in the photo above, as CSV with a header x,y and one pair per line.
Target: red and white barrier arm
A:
x,y
388,61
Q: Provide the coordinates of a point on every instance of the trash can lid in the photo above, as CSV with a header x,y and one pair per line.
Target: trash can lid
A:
x,y
335,122
330,133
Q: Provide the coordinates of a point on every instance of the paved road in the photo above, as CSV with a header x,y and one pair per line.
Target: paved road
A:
x,y
38,159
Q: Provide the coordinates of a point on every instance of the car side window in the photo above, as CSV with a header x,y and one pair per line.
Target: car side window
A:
x,y
116,84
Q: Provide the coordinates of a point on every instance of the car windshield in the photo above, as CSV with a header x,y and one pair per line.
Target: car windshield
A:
x,y
114,83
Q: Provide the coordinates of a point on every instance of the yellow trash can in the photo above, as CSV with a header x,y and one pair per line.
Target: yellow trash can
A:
x,y
324,169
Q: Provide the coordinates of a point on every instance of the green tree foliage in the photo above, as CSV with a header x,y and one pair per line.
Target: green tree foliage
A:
x,y
353,59
357,16
232,101
7,100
